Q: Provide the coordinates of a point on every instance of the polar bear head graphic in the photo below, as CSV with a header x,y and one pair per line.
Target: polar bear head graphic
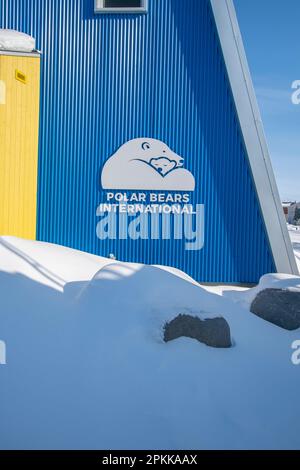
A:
x,y
163,165
146,164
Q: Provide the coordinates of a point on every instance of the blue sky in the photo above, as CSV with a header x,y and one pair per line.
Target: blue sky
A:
x,y
271,33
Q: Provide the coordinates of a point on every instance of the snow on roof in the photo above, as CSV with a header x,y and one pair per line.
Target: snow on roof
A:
x,y
291,204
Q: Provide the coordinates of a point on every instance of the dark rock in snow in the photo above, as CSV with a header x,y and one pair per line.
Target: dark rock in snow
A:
x,y
278,306
213,332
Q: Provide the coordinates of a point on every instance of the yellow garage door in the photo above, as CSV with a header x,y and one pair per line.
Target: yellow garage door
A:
x,y
19,121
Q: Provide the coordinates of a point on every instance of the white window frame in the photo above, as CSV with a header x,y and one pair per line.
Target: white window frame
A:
x,y
100,8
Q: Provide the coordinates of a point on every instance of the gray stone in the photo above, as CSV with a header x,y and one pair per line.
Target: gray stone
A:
x,y
213,332
278,306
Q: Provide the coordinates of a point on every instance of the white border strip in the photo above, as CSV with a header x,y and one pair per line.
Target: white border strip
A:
x,y
253,133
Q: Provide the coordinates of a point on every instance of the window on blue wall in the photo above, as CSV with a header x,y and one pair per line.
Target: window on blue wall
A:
x,y
121,6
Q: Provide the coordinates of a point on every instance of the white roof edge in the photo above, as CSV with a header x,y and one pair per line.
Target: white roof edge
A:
x,y
34,53
254,136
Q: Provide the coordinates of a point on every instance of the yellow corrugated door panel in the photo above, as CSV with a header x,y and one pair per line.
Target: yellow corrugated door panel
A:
x,y
19,122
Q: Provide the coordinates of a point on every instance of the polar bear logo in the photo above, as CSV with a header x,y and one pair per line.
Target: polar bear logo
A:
x,y
146,164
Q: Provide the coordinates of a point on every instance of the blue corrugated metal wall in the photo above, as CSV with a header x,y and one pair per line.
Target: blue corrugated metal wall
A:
x,y
109,78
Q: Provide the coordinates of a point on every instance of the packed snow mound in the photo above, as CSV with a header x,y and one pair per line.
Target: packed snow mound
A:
x,y
88,359
150,287
11,40
269,281
51,265
295,239
150,296
56,266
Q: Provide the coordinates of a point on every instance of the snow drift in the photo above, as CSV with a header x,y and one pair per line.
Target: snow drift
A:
x,y
87,367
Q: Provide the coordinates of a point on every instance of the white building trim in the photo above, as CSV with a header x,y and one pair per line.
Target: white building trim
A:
x,y
253,133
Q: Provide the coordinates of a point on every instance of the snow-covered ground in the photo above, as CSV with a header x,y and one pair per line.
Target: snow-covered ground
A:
x,y
295,237
87,367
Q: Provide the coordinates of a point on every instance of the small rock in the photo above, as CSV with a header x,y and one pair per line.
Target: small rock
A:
x,y
213,332
278,306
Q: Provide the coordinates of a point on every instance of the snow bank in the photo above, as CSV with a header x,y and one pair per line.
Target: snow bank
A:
x,y
148,296
245,297
11,40
51,265
87,367
269,281
56,266
295,238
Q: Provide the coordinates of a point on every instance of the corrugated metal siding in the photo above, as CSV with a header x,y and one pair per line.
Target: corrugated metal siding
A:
x,y
108,79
